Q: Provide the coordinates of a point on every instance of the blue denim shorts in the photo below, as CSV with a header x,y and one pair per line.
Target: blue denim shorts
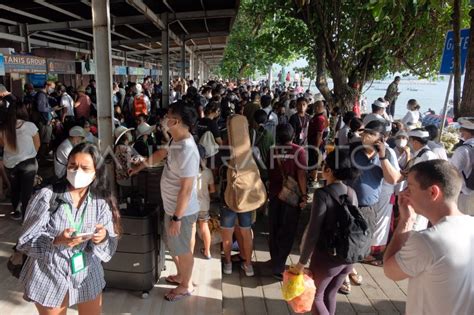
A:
x,y
228,218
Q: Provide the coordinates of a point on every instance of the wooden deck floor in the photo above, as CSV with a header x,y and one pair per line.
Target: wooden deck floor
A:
x,y
215,294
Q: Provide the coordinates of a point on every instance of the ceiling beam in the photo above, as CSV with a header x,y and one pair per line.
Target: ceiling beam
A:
x,y
206,35
144,40
62,26
141,7
173,49
198,15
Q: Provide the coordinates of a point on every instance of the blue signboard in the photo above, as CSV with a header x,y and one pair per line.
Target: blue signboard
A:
x,y
120,70
447,63
2,65
38,80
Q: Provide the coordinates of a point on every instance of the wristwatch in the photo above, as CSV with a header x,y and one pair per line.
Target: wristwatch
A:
x,y
383,158
175,218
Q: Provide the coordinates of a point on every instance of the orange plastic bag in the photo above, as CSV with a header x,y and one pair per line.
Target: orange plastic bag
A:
x,y
303,302
293,286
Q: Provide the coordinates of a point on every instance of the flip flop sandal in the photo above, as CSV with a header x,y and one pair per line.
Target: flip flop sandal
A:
x,y
207,257
356,278
170,280
345,288
177,296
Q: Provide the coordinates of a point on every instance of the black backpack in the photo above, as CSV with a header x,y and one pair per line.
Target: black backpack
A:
x,y
17,260
469,179
346,236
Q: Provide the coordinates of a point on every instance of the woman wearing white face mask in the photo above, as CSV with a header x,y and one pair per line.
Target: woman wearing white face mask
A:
x,y
69,230
402,149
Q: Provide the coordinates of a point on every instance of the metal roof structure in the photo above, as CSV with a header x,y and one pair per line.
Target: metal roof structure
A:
x,y
136,26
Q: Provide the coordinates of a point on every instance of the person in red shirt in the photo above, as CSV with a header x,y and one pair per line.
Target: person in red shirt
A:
x,y
82,106
316,128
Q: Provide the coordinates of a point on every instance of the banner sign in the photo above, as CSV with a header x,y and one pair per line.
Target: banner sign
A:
x,y
136,71
38,80
61,66
2,65
120,70
24,64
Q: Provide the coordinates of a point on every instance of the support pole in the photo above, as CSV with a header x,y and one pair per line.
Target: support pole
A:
x,y
103,61
270,76
445,108
191,65
165,62
25,46
457,56
183,58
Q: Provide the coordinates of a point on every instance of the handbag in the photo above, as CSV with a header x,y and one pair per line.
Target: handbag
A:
x,y
290,192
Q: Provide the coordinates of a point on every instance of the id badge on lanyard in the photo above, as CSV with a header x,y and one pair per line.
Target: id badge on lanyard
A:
x,y
78,260
303,127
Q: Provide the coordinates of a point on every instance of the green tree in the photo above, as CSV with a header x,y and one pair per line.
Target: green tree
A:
x,y
467,103
349,41
357,40
263,34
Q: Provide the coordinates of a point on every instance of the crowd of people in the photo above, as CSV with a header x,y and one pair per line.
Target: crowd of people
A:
x,y
395,172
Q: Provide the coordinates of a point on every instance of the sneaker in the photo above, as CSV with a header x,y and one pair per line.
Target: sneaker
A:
x,y
248,270
227,268
16,216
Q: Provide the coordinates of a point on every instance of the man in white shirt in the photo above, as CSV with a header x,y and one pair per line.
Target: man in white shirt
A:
x,y
378,112
76,136
436,147
463,160
67,104
272,121
343,133
418,141
437,261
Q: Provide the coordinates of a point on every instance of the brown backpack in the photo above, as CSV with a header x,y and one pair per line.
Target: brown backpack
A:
x,y
245,190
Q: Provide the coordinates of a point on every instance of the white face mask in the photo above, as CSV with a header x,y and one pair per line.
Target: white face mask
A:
x,y
401,143
79,178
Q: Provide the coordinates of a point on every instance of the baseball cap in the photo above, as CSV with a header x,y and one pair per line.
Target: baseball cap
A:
x,y
77,131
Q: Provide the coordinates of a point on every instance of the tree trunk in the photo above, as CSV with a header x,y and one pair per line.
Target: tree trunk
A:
x,y
321,81
467,105
457,55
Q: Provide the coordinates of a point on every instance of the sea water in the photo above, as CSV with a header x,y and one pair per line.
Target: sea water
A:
x,y
429,94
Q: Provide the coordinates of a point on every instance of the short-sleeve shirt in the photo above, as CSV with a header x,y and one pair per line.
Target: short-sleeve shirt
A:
x,y
182,162
293,159
300,126
68,103
317,124
60,157
25,148
440,261
461,160
411,118
369,184
343,135
207,124
205,179
84,108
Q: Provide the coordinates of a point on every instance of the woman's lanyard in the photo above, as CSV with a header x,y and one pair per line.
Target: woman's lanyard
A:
x,y
77,226
78,261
